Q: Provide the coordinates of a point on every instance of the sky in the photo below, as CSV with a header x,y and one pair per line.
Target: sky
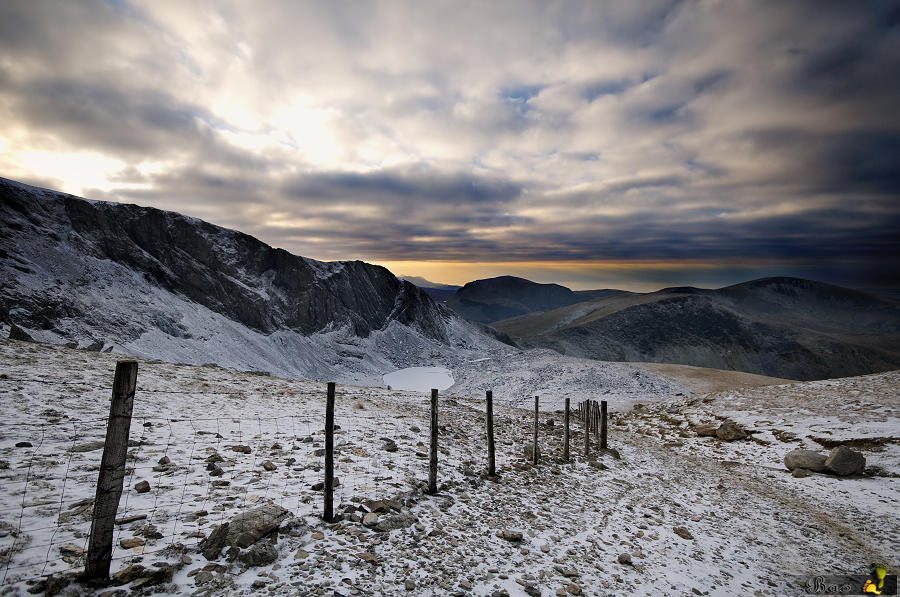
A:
x,y
594,144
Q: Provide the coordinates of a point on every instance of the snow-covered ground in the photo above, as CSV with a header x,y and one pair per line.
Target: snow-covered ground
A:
x,y
419,379
745,525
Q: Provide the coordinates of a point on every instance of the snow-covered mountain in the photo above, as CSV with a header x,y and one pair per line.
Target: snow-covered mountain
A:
x,y
163,285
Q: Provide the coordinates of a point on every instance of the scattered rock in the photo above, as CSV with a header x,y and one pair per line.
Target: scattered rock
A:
x,y
389,444
683,533
801,473
245,529
410,585
730,431
241,449
845,461
394,522
24,445
625,559
514,536
370,519
369,558
529,452
87,447
17,333
706,429
131,542
142,487
269,465
261,553
805,459
128,574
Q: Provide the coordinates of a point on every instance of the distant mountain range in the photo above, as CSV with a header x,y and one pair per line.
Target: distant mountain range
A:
x,y
780,327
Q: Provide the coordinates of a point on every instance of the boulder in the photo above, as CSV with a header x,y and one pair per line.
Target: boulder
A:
x,y
245,529
805,459
843,461
730,431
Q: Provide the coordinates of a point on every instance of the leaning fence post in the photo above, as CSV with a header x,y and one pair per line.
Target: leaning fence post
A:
x,y
328,514
534,452
595,417
603,425
112,471
566,432
490,433
433,462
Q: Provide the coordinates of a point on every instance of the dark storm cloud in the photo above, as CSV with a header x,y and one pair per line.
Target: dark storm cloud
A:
x,y
507,131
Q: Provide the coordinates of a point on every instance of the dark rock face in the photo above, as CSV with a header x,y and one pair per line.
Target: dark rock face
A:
x,y
230,273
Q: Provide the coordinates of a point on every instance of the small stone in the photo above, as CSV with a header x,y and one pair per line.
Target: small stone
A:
x,y
410,585
514,536
269,465
370,519
301,554
683,533
241,449
128,574
318,536
164,461
24,445
573,589
625,559
801,473
730,431
142,487
131,543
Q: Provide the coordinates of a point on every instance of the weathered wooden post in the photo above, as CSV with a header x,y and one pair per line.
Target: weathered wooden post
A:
x,y
595,418
603,425
490,433
329,454
433,462
112,471
587,432
534,452
566,432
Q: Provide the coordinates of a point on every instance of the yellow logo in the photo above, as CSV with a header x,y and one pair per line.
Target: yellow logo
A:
x,y
870,586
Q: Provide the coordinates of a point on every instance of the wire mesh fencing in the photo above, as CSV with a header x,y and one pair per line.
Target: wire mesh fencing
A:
x,y
199,452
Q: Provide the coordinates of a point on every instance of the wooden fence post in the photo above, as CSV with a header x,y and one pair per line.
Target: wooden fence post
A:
x,y
566,432
595,423
112,471
433,462
492,471
534,452
587,432
328,514
603,425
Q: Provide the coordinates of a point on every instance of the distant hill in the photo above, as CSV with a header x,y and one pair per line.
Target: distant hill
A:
x,y
780,327
493,299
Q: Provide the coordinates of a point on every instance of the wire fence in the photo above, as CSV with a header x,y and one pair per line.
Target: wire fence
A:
x,y
184,474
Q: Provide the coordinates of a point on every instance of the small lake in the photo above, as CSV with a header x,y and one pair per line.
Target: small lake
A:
x,y
419,379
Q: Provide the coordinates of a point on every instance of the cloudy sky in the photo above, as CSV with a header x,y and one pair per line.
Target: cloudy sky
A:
x,y
596,144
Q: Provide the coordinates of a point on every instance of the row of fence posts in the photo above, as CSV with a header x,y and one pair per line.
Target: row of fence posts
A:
x,y
112,465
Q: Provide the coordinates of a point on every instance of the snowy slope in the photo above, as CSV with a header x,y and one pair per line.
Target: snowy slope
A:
x,y
751,527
